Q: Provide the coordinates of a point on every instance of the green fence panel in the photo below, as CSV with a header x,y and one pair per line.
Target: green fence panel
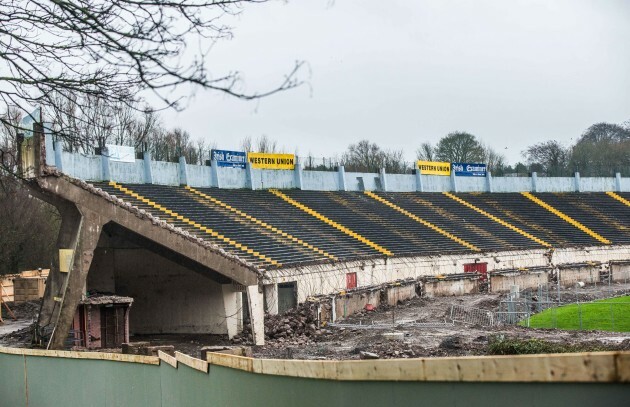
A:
x,y
86,382
12,380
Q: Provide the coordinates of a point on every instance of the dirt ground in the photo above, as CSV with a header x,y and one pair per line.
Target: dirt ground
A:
x,y
350,342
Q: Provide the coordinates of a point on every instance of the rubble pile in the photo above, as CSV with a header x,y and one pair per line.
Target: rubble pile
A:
x,y
297,326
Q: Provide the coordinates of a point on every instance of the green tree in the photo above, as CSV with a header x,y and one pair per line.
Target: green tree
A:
x,y
602,150
459,147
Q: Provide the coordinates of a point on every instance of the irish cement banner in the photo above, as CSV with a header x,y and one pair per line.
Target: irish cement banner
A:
x,y
434,168
271,161
226,158
469,169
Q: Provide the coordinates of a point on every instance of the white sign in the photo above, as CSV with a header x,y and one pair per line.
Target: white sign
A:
x,y
124,154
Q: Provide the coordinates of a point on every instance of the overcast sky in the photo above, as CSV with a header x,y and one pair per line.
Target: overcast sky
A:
x,y
400,73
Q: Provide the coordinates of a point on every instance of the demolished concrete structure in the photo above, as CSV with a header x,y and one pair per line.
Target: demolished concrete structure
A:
x,y
191,258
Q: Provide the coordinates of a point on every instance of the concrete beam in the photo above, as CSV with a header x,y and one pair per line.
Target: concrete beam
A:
x,y
534,182
578,186
183,171
231,309
225,265
58,152
250,176
383,177
489,187
105,173
271,298
56,281
214,174
148,172
419,186
297,173
618,182
256,314
453,181
74,288
342,178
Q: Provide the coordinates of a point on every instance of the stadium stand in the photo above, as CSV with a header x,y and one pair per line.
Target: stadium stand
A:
x,y
275,229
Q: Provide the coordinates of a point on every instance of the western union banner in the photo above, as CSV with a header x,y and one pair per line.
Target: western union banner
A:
x,y
272,161
434,168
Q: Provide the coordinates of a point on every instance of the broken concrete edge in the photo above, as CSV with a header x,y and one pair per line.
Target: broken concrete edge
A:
x,y
591,367
142,214
115,357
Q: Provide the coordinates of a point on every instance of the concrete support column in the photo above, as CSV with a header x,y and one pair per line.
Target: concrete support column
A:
x,y
534,182
105,174
342,178
489,182
618,182
578,186
50,149
256,314
66,300
453,181
383,177
298,173
148,172
214,174
183,171
250,176
58,151
271,298
419,187
231,309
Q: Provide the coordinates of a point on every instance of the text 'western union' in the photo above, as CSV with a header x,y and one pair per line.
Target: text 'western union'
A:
x,y
272,161
434,168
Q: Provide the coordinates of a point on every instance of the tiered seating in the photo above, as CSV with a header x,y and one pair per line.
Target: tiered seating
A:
x,y
377,222
534,219
287,228
598,212
277,249
268,208
462,221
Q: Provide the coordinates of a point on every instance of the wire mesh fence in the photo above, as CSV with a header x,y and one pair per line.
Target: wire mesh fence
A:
x,y
544,307
603,316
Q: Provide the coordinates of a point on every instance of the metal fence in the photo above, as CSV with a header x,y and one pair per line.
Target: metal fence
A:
x,y
608,316
537,310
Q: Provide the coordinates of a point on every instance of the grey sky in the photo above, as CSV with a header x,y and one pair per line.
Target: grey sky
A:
x,y
404,72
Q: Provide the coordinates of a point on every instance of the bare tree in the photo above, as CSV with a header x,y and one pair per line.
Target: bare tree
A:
x,y
369,157
111,52
426,152
550,156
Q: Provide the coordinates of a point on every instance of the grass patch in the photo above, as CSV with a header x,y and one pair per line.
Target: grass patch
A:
x,y
499,345
612,314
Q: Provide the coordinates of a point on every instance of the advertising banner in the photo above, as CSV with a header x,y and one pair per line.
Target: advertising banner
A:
x,y
469,169
434,168
271,161
225,158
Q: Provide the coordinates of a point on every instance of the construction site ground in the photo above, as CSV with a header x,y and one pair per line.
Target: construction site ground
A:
x,y
422,328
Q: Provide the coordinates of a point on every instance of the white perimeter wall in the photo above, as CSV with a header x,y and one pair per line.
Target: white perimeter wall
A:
x,y
331,278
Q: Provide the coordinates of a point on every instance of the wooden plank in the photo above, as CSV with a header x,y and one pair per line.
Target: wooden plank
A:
x,y
116,357
231,361
189,361
171,360
580,367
